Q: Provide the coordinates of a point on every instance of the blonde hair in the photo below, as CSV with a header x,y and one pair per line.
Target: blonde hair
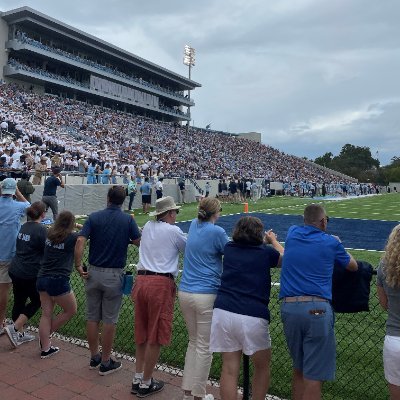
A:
x,y
207,208
391,259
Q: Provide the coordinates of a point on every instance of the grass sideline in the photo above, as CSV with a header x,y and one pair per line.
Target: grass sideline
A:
x,y
359,336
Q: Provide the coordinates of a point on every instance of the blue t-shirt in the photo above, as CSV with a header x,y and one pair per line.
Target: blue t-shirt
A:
x,y
307,267
11,212
145,189
110,232
91,170
105,177
50,186
202,265
246,279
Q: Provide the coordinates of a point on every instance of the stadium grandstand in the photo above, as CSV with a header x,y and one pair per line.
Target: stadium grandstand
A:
x,y
44,125
69,95
48,56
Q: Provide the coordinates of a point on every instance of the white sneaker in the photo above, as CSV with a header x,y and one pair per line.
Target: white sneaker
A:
x,y
24,337
209,397
12,335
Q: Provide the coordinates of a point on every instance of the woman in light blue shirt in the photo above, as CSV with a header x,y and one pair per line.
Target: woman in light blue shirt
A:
x,y
201,278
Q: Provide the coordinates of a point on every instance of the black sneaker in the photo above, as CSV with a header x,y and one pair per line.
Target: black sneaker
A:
x,y
95,362
135,386
110,368
51,351
155,386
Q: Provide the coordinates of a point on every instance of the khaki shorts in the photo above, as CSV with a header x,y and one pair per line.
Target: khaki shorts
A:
x,y
4,277
104,294
154,298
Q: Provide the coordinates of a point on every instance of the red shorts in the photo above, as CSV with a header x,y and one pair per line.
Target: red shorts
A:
x,y
154,298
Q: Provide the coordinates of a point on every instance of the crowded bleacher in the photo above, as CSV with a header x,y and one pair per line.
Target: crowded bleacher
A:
x,y
76,133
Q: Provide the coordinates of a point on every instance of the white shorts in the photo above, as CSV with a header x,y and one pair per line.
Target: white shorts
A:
x,y
232,332
391,359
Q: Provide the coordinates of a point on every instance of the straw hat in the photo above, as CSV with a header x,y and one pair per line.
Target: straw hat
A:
x,y
163,205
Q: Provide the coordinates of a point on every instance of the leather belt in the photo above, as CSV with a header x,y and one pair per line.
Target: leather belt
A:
x,y
146,272
303,299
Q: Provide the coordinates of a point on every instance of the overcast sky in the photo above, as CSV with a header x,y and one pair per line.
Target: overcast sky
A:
x,y
310,75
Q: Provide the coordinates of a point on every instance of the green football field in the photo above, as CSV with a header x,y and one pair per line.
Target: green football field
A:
x,y
359,336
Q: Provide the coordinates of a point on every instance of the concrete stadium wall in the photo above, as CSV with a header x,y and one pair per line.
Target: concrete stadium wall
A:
x,y
84,199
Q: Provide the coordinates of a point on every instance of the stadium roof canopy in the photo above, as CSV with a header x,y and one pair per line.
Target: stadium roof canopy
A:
x,y
27,15
48,56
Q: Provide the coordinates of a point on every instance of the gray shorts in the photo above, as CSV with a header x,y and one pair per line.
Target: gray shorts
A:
x,y
52,202
104,294
4,266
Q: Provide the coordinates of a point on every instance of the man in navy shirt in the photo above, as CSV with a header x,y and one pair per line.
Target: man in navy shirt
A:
x,y
110,232
50,191
306,293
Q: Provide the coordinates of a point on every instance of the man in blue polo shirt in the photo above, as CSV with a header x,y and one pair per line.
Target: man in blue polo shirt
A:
x,y
306,293
110,232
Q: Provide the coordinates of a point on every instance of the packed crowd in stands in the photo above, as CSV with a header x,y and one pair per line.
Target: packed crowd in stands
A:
x,y
76,133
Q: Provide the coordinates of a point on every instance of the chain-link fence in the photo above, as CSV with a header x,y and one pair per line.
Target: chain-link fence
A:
x,y
359,344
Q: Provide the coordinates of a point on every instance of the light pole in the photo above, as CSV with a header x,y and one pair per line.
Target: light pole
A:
x,y
189,54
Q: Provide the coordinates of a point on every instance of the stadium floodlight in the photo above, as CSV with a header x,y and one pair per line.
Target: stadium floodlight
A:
x,y
189,59
189,54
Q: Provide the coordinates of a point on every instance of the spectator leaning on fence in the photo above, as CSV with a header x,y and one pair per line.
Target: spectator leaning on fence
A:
x,y
154,292
23,272
53,280
201,278
306,292
389,297
240,322
110,232
11,212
